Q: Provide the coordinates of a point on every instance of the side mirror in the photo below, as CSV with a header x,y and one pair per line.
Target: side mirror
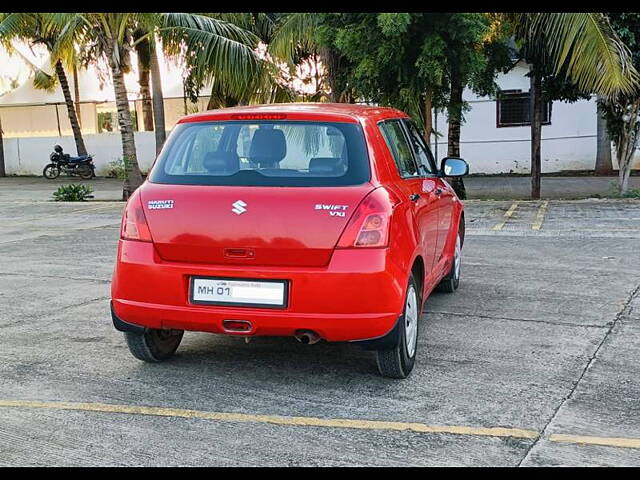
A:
x,y
453,167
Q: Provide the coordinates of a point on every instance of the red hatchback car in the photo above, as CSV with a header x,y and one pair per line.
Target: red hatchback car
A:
x,y
319,221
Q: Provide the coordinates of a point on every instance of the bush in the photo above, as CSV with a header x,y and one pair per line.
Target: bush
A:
x,y
614,191
116,169
75,192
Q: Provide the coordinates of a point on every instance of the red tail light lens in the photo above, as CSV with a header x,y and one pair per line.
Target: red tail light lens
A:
x,y
369,225
134,223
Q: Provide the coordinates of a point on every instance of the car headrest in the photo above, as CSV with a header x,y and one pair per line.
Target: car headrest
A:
x,y
268,147
221,163
326,165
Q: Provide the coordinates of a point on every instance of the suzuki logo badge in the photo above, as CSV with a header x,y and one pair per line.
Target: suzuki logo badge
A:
x,y
239,207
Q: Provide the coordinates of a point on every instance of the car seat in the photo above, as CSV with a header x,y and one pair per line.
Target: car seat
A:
x,y
221,163
268,148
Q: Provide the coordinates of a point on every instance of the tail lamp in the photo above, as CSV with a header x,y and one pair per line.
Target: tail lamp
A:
x,y
369,225
134,223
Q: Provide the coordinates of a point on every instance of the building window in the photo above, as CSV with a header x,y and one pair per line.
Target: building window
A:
x,y
514,109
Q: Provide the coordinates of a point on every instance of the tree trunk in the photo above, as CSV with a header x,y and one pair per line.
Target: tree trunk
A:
x,y
623,179
625,157
133,176
73,119
144,71
626,149
158,100
211,105
536,133
76,94
603,150
184,98
217,99
3,172
455,111
455,119
329,61
428,117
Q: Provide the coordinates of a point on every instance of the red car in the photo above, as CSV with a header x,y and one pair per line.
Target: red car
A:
x,y
319,221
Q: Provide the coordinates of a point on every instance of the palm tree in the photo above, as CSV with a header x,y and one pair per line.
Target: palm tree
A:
x,y
199,73
603,140
225,47
157,98
296,33
143,52
76,93
38,28
582,46
152,98
265,86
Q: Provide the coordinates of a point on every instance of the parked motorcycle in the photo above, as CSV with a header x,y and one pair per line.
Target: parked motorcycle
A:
x,y
73,166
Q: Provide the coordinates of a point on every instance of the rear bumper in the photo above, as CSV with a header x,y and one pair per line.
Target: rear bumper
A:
x,y
358,296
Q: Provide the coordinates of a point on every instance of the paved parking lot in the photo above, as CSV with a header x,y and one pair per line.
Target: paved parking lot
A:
x,y
534,361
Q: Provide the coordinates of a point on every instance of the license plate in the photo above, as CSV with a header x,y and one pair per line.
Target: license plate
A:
x,y
248,293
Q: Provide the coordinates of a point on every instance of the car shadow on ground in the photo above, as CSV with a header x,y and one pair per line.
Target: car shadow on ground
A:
x,y
261,357
269,353
269,362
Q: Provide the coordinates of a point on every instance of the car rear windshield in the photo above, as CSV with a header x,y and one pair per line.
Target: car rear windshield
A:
x,y
264,153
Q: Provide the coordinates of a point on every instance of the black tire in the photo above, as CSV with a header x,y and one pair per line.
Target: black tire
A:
x,y
451,281
153,345
51,171
87,173
398,361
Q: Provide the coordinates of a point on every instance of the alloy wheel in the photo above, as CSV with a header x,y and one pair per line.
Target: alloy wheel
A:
x,y
411,315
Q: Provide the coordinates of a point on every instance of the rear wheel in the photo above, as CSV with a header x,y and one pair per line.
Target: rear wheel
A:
x,y
51,171
86,173
153,345
450,283
398,361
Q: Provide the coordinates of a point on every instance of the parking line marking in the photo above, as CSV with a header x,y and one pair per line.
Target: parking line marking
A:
x,y
620,442
507,216
275,419
537,224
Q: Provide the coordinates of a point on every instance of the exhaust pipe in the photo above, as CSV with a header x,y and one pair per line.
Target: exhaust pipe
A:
x,y
308,337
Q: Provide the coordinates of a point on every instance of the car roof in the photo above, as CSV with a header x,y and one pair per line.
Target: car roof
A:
x,y
341,112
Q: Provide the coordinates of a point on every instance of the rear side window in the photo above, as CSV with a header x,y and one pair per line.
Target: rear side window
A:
x,y
400,149
423,154
264,153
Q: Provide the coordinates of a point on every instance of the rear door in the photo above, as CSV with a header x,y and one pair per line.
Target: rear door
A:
x,y
442,193
415,188
433,186
279,226
445,206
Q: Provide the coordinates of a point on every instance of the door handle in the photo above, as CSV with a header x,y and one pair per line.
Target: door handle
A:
x,y
439,191
414,197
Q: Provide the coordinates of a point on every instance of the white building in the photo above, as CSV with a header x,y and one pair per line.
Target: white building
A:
x,y
495,137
